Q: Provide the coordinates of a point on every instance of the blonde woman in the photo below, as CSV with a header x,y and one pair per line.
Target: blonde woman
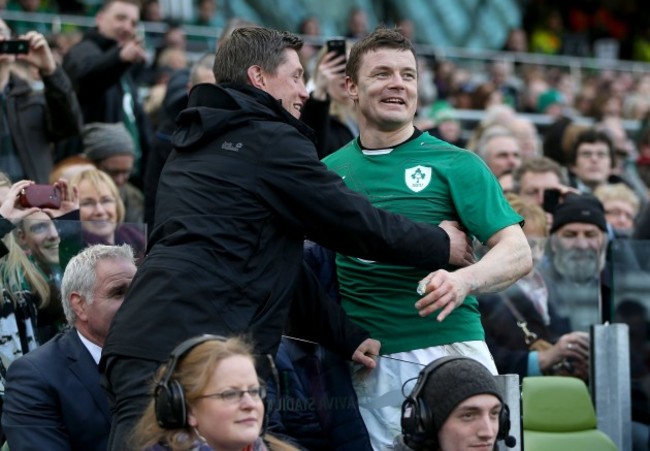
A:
x,y
24,288
621,207
101,211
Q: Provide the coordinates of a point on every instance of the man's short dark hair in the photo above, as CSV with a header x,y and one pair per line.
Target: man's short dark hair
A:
x,y
381,38
108,3
592,136
252,46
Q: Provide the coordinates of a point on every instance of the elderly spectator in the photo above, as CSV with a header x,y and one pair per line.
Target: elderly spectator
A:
x,y
510,317
53,399
499,148
574,258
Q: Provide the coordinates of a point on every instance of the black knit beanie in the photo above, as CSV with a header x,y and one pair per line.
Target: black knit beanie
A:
x,y
583,208
452,383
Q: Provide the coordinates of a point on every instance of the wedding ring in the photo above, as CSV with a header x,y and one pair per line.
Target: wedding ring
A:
x,y
569,346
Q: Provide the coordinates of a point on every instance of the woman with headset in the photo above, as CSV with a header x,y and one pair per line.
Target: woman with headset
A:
x,y
207,397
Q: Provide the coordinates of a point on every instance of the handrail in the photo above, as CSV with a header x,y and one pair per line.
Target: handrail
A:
x,y
474,116
570,62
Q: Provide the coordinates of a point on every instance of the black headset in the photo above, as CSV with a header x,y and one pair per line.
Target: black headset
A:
x,y
169,398
417,420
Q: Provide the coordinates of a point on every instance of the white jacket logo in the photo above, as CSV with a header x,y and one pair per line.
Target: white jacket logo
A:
x,y
417,178
230,146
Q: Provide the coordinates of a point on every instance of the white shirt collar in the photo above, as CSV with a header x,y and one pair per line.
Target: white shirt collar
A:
x,y
95,351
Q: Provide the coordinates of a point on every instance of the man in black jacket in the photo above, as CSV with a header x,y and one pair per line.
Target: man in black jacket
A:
x,y
237,196
31,121
100,67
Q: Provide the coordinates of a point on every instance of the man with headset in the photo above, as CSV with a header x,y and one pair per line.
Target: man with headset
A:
x,y
454,406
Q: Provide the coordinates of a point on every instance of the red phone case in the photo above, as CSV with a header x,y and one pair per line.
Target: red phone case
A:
x,y
41,196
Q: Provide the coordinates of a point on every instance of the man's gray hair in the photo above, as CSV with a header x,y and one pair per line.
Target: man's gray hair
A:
x,y
493,131
80,274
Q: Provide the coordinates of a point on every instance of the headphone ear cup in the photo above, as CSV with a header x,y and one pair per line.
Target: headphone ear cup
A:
x,y
409,420
417,423
504,423
171,411
425,419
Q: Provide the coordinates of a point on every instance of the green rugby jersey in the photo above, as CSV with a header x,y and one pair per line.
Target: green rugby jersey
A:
x,y
427,180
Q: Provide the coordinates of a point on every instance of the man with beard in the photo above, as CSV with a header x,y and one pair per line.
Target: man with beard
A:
x,y
575,257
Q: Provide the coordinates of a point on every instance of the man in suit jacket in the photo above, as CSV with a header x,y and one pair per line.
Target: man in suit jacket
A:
x,y
53,399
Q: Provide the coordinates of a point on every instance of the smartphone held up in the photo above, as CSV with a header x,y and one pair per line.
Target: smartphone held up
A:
x,y
14,47
41,196
337,46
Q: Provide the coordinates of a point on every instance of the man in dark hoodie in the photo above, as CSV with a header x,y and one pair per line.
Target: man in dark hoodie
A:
x,y
100,68
240,191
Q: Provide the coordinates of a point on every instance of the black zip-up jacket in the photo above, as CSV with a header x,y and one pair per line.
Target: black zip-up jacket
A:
x,y
236,198
37,119
95,69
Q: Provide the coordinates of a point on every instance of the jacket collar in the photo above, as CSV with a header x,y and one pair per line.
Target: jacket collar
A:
x,y
102,41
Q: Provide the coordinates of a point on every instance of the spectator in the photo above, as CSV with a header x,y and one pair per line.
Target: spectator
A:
x,y
574,259
446,124
621,207
537,175
591,161
53,399
329,111
455,405
100,69
151,11
31,121
68,167
547,37
174,102
527,137
207,14
551,103
516,41
309,28
357,24
425,185
24,289
245,178
500,75
522,327
499,148
207,396
38,236
101,212
110,148
625,157
28,7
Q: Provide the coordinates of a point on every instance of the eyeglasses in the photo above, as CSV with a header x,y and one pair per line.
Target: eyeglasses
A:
x,y
92,203
589,154
233,396
618,213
